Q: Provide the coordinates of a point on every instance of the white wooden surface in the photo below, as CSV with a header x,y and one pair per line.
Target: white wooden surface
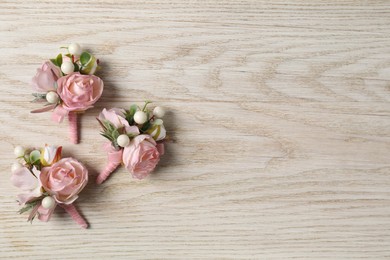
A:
x,y
280,116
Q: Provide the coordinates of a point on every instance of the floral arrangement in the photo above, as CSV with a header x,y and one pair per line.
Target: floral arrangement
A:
x,y
47,181
68,86
136,139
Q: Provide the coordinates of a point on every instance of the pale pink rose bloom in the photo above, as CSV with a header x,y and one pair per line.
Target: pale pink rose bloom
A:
x,y
79,92
28,183
116,116
64,180
141,156
46,76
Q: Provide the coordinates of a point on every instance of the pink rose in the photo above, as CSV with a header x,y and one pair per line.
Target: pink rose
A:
x,y
64,180
116,116
46,76
79,92
141,156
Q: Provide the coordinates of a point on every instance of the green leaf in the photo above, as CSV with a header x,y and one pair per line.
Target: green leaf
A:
x,y
107,136
54,61
146,126
115,134
132,110
29,206
85,58
39,95
35,156
76,67
59,60
26,158
129,115
108,126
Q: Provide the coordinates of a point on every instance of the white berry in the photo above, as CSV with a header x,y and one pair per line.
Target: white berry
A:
x,y
140,117
123,140
159,112
16,166
67,67
75,49
52,97
19,151
48,202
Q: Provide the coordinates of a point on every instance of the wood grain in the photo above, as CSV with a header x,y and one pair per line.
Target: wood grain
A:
x,y
279,112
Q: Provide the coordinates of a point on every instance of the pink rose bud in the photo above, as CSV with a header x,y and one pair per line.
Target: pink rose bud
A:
x,y
50,154
141,156
157,130
46,76
64,180
79,92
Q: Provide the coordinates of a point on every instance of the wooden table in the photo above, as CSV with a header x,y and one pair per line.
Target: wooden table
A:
x,y
278,110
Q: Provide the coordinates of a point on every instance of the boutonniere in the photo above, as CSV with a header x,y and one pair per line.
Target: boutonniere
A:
x,y
47,180
136,139
68,86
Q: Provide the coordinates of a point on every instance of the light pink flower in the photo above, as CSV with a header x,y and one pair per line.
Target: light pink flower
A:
x,y
141,156
28,183
79,92
46,76
116,116
64,180
50,154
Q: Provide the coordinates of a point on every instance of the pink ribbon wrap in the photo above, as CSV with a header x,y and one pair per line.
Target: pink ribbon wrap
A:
x,y
114,159
72,211
73,130
58,116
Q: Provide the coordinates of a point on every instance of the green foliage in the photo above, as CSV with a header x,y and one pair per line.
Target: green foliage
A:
x,y
110,132
146,125
76,67
39,97
35,157
85,57
147,102
58,60
29,206
129,115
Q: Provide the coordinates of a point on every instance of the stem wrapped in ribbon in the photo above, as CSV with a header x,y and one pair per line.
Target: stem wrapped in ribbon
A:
x,y
114,158
72,211
47,180
136,139
73,129
68,85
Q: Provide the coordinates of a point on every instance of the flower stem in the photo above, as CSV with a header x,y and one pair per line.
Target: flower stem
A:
x,y
72,211
110,167
146,103
74,137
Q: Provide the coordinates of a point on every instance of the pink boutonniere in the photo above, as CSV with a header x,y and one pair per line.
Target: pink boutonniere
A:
x,y
136,138
47,180
68,86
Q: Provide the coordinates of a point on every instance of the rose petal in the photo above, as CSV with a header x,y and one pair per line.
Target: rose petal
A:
x,y
24,179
